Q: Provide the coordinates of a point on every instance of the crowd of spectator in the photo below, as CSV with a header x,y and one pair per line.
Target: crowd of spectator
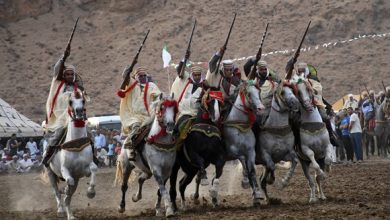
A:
x,y
21,155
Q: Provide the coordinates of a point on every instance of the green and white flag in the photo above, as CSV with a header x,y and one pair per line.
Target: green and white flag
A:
x,y
166,56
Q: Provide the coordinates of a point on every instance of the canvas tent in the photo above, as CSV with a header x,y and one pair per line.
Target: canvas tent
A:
x,y
12,122
339,104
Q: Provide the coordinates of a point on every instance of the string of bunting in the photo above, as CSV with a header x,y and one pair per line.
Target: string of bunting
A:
x,y
307,49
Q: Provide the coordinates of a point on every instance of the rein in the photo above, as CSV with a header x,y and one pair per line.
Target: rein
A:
x,y
78,123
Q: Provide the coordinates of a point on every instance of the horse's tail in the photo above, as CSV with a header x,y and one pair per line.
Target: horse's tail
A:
x,y
44,177
119,170
122,162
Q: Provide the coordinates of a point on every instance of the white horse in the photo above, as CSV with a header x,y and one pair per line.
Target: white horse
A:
x,y
315,147
156,158
276,138
238,135
74,161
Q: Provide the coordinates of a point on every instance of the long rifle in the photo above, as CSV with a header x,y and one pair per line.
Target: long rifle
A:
x,y
226,42
290,66
67,50
258,55
187,52
135,60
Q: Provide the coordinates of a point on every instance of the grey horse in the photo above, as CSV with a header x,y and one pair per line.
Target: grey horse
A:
x,y
157,157
315,147
382,127
238,136
276,139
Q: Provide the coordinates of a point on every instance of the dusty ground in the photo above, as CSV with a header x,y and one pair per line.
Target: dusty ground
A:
x,y
355,191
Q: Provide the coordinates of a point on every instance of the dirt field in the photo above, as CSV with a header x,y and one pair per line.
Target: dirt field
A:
x,y
354,191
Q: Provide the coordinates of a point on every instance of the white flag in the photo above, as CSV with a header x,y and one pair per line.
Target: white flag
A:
x,y
166,56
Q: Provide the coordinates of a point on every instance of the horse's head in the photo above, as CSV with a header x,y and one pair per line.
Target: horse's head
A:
x,y
285,96
386,105
305,94
76,108
212,101
250,96
166,110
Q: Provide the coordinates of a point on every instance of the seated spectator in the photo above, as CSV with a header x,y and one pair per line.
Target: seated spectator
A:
x,y
3,164
26,164
14,165
101,156
38,162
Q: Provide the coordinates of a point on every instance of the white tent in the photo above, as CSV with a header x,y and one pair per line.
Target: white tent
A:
x,y
12,122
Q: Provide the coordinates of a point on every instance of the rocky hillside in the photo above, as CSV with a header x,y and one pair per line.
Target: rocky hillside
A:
x,y
33,35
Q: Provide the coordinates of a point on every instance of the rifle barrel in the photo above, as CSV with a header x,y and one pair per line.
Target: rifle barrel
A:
x,y
226,42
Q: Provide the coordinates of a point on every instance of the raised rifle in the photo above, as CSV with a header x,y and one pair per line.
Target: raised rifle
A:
x,y
67,50
226,42
290,64
252,74
135,60
183,67
384,87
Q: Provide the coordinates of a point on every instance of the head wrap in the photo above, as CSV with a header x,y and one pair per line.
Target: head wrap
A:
x,y
70,67
350,95
262,63
140,70
25,155
227,64
364,94
196,69
14,157
372,92
303,65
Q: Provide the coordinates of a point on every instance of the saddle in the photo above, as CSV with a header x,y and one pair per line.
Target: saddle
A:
x,y
140,137
76,145
280,131
207,129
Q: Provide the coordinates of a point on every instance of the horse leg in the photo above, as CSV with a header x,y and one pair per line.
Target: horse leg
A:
x,y
263,182
310,154
127,168
172,183
54,183
195,196
92,169
245,180
66,175
319,181
141,180
165,195
215,183
306,172
198,161
187,178
257,193
290,172
69,190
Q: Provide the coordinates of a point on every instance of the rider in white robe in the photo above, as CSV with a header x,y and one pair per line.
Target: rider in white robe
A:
x,y
62,86
135,106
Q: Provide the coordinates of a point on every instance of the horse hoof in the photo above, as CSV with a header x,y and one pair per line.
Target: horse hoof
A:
x,y
136,198
61,214
159,213
183,206
256,202
121,209
323,197
213,194
313,200
72,218
169,212
245,184
215,202
204,182
91,194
